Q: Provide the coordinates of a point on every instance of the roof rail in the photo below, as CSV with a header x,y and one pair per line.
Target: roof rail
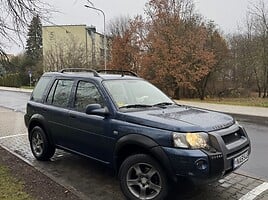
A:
x,y
95,73
118,71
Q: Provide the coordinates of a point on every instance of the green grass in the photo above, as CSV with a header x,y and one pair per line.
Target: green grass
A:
x,y
251,101
10,188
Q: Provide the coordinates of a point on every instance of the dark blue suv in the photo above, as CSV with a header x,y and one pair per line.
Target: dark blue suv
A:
x,y
126,123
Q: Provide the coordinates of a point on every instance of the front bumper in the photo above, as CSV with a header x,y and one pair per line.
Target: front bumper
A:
x,y
203,166
196,165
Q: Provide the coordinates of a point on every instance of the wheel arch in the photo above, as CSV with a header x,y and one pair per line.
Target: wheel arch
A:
x,y
133,144
39,120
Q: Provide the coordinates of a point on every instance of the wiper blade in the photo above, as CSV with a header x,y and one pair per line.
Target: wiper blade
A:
x,y
136,106
164,104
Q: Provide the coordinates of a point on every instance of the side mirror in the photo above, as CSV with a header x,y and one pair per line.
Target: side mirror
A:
x,y
96,109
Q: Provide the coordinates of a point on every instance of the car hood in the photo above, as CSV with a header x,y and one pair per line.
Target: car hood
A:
x,y
179,118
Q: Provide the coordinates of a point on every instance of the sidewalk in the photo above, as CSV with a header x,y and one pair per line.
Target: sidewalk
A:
x,y
13,89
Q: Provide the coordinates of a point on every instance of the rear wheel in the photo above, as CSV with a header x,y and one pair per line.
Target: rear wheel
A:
x,y
40,145
141,177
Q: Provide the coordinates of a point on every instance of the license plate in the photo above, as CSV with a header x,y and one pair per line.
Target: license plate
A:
x,y
240,159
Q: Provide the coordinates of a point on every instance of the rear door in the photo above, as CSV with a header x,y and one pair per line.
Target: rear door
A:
x,y
56,110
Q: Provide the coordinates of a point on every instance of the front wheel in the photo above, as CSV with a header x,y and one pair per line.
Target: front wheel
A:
x,y
141,177
40,145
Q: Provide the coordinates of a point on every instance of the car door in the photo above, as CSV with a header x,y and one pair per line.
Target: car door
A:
x,y
56,110
91,134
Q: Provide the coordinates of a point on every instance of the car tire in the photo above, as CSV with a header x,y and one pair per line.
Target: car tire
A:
x,y
41,148
142,177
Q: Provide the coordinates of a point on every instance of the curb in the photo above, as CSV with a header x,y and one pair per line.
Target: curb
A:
x,y
250,118
249,175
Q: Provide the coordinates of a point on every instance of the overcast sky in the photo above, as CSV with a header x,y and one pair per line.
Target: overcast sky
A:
x,y
227,14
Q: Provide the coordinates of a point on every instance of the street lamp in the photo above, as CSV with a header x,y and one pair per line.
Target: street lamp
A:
x,y
104,29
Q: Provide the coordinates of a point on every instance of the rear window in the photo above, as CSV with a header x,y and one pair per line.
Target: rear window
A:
x,y
40,88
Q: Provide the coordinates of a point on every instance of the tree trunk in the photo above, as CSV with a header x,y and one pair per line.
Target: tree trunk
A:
x,y
259,91
258,82
177,93
203,87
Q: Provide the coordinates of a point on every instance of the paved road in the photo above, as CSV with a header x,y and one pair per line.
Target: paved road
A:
x,y
258,162
14,100
94,181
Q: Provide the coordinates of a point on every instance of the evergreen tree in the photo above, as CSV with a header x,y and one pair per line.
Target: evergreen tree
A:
x,y
34,40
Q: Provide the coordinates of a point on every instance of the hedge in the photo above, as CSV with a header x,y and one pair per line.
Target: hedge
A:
x,y
11,80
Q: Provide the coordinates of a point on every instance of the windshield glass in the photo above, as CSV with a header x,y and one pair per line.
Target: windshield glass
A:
x,y
135,92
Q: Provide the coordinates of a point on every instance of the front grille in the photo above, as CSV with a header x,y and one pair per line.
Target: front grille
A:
x,y
230,155
232,137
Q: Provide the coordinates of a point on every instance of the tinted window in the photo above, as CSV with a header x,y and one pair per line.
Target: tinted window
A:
x,y
62,93
40,88
87,93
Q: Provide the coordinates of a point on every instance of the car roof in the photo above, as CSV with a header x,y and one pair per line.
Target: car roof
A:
x,y
91,75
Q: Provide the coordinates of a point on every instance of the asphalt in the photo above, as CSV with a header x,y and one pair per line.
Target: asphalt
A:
x,y
235,186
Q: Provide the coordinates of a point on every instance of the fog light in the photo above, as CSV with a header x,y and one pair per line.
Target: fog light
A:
x,y
201,164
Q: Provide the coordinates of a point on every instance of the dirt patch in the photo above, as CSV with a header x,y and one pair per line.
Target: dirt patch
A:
x,y
36,184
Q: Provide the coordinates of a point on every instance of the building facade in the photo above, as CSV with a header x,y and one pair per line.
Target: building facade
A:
x,y
77,46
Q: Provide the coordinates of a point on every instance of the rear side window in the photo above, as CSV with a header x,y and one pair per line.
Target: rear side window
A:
x,y
40,88
60,93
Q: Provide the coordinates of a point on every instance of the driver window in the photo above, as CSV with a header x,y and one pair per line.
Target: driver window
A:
x,y
87,93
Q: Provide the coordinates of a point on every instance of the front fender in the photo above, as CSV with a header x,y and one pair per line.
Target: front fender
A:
x,y
135,139
154,149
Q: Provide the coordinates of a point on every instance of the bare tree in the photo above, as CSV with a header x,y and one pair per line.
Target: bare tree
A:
x,y
69,53
15,16
119,26
259,19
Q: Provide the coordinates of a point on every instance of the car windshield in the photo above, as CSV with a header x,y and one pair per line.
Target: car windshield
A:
x,y
136,94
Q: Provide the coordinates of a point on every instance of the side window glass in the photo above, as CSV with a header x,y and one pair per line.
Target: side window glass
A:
x,y
51,93
87,93
40,89
62,93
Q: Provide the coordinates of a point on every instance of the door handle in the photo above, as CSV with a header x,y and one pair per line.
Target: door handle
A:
x,y
44,109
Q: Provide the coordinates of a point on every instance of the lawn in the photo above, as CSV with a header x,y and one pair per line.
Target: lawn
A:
x,y
251,101
10,188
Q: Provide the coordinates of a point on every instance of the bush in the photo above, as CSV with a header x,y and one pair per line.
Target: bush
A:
x,y
11,80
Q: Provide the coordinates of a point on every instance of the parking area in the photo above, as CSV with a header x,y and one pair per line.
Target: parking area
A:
x,y
91,180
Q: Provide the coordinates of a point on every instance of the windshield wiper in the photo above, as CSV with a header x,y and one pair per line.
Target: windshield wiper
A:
x,y
136,106
163,104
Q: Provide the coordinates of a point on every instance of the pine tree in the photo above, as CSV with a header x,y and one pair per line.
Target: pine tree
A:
x,y
34,40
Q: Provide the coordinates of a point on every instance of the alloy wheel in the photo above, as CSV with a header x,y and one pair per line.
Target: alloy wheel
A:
x,y
144,181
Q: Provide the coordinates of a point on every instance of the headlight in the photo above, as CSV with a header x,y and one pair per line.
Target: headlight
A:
x,y
191,140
